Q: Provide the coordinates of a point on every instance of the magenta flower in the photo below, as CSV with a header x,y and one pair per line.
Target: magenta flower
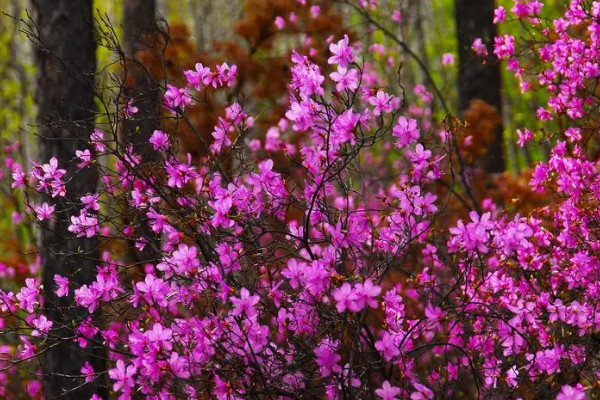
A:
x,y
63,285
422,393
160,141
177,98
202,76
84,225
90,202
525,136
225,75
28,295
96,139
387,345
366,294
447,59
130,109
245,303
27,349
381,102
406,131
42,326
44,211
85,158
568,392
87,297
152,290
479,47
19,177
345,298
499,15
279,22
504,46
123,376
342,53
345,79
179,173
387,391
327,358
88,371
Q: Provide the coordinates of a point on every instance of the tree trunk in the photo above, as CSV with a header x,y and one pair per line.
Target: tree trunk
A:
x,y
475,79
139,19
66,61
140,34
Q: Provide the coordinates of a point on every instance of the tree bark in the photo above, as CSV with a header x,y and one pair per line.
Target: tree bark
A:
x,y
139,19
66,61
140,34
477,80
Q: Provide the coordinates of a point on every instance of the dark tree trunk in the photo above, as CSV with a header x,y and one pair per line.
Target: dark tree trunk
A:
x,y
140,34
139,20
66,61
475,79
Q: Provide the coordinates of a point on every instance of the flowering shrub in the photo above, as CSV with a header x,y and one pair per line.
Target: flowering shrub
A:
x,y
365,294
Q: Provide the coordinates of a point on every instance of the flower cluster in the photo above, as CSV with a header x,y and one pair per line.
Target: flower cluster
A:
x,y
331,276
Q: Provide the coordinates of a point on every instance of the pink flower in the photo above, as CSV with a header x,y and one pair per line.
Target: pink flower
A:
x,y
479,47
342,53
576,392
179,366
225,75
381,102
160,141
63,285
422,393
130,109
153,290
28,296
177,98
366,294
345,79
179,173
345,298
388,346
327,358
44,211
406,131
123,376
19,177
447,59
34,389
504,46
85,158
525,136
201,76
90,202
573,134
87,297
42,326
279,22
88,371
84,225
245,303
315,11
96,138
387,391
499,15
27,350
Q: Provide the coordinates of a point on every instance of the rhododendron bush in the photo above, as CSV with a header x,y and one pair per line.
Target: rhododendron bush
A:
x,y
348,276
